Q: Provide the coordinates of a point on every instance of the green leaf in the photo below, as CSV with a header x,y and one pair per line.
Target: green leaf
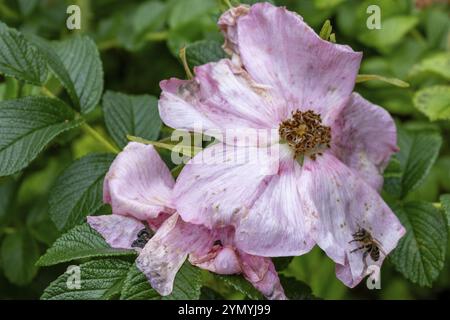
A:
x,y
187,284
393,81
79,243
420,254
39,223
78,191
438,64
434,102
137,287
19,254
82,64
238,283
131,115
296,289
26,126
56,66
393,29
418,152
19,59
326,30
445,200
184,12
204,51
100,280
7,190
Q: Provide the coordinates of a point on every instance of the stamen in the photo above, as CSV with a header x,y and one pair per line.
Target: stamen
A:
x,y
305,133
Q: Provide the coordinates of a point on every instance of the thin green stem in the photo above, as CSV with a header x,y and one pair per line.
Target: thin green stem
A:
x,y
97,136
437,205
156,36
47,92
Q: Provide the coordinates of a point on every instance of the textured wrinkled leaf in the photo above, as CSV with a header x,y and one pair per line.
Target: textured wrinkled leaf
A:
x,y
438,64
393,29
137,287
19,58
56,66
445,200
19,254
238,283
409,167
434,102
82,63
78,192
204,51
78,243
27,125
100,280
420,254
131,115
296,289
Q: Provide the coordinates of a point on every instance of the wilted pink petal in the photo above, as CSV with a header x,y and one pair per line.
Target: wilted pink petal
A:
x,y
345,203
365,137
277,223
279,49
261,273
118,231
211,190
221,96
220,260
138,184
165,252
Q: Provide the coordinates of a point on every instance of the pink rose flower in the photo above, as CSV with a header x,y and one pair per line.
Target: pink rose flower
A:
x,y
333,145
139,188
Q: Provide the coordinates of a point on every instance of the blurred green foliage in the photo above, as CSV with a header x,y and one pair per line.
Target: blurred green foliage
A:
x,y
139,42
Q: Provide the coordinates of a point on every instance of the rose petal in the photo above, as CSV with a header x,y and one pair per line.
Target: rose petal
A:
x,y
220,260
165,252
138,183
344,203
261,273
218,185
364,138
279,49
220,97
118,231
277,224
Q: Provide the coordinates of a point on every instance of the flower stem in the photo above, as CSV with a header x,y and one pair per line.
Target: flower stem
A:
x,y
185,63
157,36
97,136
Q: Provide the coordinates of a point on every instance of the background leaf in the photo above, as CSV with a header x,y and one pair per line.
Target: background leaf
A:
x,y
100,279
19,59
78,192
420,254
131,115
137,287
79,243
434,102
27,125
204,51
19,254
407,171
81,59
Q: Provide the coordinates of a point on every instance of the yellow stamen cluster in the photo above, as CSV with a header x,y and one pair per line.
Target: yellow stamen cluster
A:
x,y
305,133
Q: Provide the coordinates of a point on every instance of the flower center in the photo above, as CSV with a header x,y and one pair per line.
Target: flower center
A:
x,y
305,134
